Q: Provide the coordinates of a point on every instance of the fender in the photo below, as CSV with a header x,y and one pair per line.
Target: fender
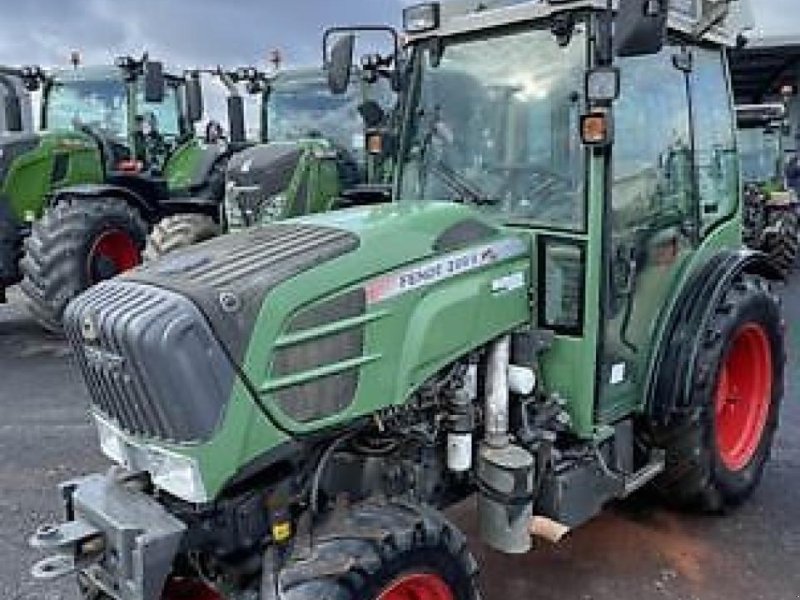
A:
x,y
148,207
668,392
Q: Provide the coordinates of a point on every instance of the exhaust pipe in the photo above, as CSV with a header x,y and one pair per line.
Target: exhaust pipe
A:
x,y
497,393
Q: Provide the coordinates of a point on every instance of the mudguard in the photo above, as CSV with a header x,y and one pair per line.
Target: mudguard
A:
x,y
668,395
148,206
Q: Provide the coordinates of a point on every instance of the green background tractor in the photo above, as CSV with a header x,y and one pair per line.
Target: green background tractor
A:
x,y
555,312
117,152
771,221
312,158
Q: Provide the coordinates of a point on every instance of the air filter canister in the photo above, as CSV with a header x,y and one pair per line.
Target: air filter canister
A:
x,y
505,501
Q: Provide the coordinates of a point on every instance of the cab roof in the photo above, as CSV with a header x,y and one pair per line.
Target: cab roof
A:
x,y
686,16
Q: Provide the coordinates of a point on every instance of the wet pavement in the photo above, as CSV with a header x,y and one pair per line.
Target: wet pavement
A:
x,y
634,551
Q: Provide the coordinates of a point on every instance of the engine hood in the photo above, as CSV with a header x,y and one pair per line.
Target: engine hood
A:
x,y
269,166
229,278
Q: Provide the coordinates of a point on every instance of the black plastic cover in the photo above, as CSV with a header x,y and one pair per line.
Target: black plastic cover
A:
x,y
229,277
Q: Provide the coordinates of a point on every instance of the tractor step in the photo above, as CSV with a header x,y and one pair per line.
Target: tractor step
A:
x,y
646,474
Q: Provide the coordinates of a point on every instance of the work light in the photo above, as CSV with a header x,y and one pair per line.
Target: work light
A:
x,y
421,18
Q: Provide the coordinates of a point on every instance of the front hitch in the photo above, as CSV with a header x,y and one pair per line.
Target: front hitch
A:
x,y
115,534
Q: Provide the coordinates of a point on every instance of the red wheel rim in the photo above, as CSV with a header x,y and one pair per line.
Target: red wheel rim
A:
x,y
188,589
113,252
743,396
417,586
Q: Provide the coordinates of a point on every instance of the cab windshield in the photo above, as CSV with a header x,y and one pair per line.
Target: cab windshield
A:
x,y
305,108
100,104
759,150
496,124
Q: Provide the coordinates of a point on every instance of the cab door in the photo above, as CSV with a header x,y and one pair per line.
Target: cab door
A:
x,y
651,221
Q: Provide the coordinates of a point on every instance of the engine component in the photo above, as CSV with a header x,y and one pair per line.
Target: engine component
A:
x,y
497,393
505,503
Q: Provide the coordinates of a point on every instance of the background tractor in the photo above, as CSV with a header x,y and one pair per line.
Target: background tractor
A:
x,y
555,311
770,217
313,156
116,153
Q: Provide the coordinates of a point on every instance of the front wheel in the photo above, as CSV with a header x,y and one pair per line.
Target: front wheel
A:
x,y
179,231
716,457
77,243
384,551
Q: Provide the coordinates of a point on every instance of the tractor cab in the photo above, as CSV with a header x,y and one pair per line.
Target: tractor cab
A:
x,y
761,129
132,110
770,213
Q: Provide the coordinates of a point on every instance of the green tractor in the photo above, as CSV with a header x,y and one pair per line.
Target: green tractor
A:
x,y
117,152
770,218
313,156
554,312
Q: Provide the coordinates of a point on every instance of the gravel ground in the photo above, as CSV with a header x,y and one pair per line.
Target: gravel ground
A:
x,y
633,551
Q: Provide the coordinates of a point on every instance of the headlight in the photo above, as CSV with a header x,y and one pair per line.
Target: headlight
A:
x,y
172,472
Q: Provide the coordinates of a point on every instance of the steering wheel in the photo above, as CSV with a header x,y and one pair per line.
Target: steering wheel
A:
x,y
544,187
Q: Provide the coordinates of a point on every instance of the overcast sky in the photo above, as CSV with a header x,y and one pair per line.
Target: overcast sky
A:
x,y
205,33
208,32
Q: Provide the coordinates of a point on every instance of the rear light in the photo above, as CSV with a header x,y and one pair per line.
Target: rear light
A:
x,y
596,129
130,166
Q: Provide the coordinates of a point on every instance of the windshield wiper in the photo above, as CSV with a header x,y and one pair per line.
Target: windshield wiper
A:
x,y
467,189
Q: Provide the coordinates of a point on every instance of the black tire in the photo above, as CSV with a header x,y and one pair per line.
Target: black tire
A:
x,y
10,253
696,474
179,231
782,239
359,555
62,256
754,216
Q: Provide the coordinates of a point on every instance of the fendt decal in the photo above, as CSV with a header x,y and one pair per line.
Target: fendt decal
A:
x,y
433,271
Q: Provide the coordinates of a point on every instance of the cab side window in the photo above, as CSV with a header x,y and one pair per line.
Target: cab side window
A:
x,y
652,152
714,138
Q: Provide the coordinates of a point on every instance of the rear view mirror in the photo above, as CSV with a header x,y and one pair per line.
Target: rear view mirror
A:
x,y
13,113
153,82
641,27
339,64
194,98
236,119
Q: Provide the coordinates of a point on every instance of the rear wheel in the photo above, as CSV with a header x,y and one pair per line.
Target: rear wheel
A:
x,y
76,244
717,455
179,231
391,551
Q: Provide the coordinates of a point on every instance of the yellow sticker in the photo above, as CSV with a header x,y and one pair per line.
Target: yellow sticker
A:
x,y
281,531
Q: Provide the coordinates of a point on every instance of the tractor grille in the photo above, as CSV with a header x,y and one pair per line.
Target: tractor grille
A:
x,y
150,361
242,206
320,397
